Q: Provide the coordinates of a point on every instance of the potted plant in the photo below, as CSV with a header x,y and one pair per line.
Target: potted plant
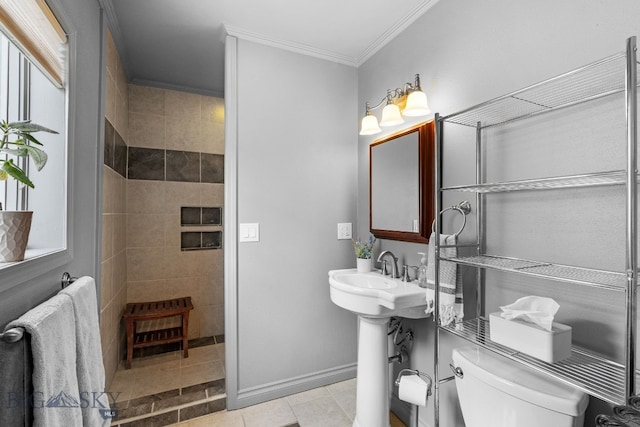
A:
x,y
363,253
18,141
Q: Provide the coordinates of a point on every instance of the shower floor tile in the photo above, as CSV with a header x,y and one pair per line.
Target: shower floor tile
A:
x,y
168,371
171,390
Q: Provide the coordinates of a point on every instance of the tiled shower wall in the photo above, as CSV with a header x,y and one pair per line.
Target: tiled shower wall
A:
x,y
176,148
164,150
114,213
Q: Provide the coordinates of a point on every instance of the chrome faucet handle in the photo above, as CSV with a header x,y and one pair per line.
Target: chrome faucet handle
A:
x,y
405,273
384,271
415,269
406,276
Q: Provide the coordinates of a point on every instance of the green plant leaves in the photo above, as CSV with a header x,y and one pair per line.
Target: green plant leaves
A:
x,y
21,147
15,172
38,156
27,126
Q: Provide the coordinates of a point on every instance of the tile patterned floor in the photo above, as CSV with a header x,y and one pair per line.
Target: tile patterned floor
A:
x,y
169,371
167,390
163,388
330,406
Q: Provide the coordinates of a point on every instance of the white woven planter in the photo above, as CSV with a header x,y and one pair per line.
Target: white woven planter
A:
x,y
14,234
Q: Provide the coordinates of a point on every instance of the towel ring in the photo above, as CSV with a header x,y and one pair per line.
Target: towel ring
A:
x,y
463,208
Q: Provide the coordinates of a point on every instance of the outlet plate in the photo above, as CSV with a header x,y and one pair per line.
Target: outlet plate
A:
x,y
344,231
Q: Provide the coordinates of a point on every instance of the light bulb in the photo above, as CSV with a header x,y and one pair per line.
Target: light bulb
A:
x,y
391,115
369,125
416,104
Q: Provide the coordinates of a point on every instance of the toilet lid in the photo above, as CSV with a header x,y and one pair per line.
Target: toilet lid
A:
x,y
519,381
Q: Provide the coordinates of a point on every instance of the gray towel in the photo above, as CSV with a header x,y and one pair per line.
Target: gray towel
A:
x,y
15,383
51,326
451,295
89,367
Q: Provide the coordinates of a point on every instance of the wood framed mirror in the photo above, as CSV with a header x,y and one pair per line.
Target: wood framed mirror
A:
x,y
401,184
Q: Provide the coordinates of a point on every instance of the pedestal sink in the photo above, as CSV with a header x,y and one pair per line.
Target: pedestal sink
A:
x,y
375,299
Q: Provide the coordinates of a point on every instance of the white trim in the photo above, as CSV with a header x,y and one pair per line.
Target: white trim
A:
x,y
258,394
100,156
39,265
394,30
303,49
114,27
180,88
372,49
20,273
231,220
71,80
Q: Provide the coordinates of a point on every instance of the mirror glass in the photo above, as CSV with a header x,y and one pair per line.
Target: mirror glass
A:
x,y
401,180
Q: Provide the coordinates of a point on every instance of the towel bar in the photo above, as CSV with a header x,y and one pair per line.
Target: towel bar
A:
x,y
15,334
67,279
12,335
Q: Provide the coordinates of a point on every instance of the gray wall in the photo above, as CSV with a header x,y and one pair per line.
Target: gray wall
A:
x,y
36,281
468,52
296,177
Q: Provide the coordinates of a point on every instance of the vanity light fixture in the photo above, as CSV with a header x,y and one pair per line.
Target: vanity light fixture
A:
x,y
410,98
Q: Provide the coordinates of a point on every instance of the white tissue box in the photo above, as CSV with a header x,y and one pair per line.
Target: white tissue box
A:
x,y
549,346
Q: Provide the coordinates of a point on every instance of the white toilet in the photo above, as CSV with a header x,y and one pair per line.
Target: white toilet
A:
x,y
497,392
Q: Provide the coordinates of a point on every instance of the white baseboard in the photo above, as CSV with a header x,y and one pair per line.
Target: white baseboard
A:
x,y
258,394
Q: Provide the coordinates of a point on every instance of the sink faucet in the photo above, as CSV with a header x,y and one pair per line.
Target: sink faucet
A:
x,y
394,264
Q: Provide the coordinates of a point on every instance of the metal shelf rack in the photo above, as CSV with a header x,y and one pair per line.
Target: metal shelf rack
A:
x,y
552,183
584,370
618,74
608,280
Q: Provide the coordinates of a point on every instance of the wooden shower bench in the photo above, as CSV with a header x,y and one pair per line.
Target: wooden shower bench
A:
x,y
139,311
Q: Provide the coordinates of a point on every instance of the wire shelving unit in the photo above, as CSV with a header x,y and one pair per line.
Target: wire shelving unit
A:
x,y
618,74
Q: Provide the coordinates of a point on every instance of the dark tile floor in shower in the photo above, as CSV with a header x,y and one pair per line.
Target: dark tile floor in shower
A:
x,y
163,388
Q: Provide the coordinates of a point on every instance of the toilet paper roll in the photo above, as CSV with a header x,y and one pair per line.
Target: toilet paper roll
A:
x,y
413,389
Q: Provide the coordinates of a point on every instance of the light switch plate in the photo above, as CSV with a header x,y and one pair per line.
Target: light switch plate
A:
x,y
249,232
344,230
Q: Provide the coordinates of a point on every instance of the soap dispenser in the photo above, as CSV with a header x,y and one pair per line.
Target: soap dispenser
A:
x,y
422,271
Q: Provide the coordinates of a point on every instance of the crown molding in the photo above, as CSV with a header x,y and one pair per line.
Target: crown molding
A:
x,y
394,30
300,48
179,88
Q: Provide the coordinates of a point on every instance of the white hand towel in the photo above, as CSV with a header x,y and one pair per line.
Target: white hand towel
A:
x,y
51,327
451,295
90,369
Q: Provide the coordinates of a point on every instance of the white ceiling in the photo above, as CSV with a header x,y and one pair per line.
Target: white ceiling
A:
x,y
179,44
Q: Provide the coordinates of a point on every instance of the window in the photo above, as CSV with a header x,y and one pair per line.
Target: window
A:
x,y
30,92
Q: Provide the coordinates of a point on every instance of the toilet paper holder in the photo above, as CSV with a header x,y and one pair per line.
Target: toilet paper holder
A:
x,y
418,373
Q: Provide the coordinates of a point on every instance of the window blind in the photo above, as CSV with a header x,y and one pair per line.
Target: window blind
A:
x,y
33,27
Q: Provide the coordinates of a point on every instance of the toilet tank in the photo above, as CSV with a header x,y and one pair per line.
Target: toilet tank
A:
x,y
498,392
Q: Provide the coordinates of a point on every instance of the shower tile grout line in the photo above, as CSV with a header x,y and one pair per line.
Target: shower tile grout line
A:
x,y
170,409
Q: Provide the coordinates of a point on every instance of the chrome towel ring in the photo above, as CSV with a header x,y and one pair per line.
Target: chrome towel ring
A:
x,y
463,208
